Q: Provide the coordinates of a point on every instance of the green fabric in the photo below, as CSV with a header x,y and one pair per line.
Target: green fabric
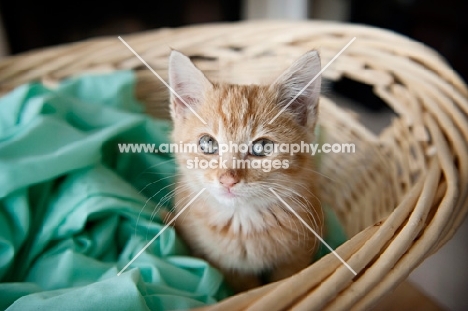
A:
x,y
74,211
334,233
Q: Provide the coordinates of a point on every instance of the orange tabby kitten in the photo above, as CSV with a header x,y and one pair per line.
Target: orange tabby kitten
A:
x,y
238,224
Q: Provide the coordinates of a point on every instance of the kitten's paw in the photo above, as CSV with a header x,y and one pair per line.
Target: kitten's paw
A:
x,y
286,270
242,282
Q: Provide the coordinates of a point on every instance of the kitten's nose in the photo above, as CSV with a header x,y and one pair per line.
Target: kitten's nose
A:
x,y
228,180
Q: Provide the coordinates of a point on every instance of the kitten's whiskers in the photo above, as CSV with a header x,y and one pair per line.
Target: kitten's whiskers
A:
x,y
160,232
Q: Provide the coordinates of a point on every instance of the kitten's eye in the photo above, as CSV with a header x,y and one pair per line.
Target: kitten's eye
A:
x,y
208,144
262,147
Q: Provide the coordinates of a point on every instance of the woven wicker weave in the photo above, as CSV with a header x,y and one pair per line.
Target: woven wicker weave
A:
x,y
401,196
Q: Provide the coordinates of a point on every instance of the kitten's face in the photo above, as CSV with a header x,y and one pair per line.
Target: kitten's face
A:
x,y
237,118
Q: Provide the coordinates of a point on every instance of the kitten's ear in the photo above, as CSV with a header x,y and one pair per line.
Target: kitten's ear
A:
x,y
299,88
188,82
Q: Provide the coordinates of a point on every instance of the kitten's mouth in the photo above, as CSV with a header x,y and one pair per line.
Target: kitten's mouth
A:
x,y
229,193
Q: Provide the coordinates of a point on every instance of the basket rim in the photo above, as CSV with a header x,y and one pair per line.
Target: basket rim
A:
x,y
433,206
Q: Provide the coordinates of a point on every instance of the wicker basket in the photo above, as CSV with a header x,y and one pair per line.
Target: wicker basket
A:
x,y
401,196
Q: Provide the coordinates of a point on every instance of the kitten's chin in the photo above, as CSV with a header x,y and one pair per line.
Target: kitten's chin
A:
x,y
229,201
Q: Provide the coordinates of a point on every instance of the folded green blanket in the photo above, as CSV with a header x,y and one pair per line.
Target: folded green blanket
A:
x,y
74,211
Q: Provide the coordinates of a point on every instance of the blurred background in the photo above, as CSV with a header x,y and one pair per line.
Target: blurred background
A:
x,y
441,24
29,24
